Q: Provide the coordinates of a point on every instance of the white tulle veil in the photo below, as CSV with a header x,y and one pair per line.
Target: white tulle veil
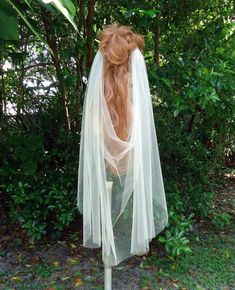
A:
x,y
124,208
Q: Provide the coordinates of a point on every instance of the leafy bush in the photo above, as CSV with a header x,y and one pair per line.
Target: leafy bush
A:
x,y
220,220
175,241
41,187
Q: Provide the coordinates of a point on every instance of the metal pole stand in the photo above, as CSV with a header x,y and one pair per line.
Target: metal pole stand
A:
x,y
107,277
107,268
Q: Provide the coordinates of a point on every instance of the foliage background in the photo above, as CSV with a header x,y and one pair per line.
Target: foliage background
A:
x,y
189,51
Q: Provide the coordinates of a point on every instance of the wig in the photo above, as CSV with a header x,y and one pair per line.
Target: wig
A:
x,y
116,44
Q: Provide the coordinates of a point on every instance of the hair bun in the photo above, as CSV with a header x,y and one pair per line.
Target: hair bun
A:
x,y
116,43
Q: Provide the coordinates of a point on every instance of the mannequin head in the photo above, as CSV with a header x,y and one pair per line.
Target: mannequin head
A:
x,y
116,45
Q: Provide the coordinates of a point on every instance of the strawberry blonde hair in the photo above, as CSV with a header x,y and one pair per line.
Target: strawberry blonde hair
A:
x,y
116,44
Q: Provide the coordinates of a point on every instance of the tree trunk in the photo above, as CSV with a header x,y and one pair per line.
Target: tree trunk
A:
x,y
157,39
191,122
79,63
23,48
89,31
1,98
51,40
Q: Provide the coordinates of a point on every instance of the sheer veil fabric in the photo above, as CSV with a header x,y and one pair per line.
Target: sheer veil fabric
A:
x,y
120,185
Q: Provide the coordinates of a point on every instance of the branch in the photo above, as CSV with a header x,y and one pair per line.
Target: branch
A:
x,y
25,68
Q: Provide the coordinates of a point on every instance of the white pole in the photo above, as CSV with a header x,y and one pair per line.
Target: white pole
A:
x,y
107,277
107,268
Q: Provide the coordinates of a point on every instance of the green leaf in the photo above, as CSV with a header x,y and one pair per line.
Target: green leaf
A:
x,y
27,2
176,113
185,242
166,82
59,5
70,7
161,239
149,12
29,24
180,235
8,27
188,250
178,251
24,18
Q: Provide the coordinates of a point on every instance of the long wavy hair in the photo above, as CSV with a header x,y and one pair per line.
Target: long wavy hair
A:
x,y
116,44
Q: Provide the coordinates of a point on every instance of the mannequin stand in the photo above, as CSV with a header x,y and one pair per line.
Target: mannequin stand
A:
x,y
107,268
107,277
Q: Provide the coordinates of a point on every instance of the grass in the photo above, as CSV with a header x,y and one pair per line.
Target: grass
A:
x,y
211,266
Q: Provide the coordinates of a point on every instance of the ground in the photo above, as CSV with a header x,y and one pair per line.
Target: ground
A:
x,y
65,264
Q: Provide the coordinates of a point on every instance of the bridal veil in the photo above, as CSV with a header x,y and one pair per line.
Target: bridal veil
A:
x,y
120,184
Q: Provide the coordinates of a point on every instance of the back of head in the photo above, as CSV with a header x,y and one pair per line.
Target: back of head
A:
x,y
116,44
